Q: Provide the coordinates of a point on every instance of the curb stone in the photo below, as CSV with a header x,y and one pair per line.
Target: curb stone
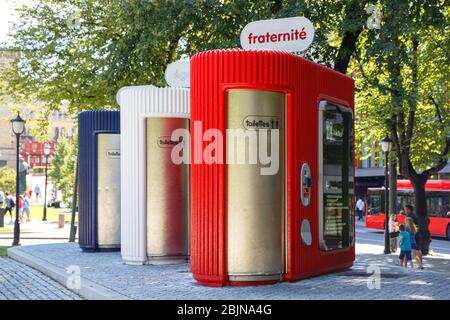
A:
x,y
88,289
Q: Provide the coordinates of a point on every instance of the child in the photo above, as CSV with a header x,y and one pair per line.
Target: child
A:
x,y
405,247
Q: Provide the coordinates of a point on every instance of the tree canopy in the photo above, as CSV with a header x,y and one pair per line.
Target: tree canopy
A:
x,y
7,179
62,170
83,51
402,81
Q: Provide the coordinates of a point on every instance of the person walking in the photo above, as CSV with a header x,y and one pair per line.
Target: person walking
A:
x,y
37,192
20,206
26,206
360,206
393,232
411,228
2,200
9,206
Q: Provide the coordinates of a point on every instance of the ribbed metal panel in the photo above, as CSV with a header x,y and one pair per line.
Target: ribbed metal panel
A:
x,y
304,83
136,104
91,123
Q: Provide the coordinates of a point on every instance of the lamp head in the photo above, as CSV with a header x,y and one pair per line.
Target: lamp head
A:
x,y
47,149
18,125
386,144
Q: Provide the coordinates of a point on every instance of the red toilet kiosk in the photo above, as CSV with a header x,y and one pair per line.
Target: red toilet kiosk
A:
x,y
263,222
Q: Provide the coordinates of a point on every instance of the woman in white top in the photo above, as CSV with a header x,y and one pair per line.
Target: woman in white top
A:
x,y
393,227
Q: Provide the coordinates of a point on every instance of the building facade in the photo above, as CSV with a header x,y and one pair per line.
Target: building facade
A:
x,y
7,138
369,172
32,151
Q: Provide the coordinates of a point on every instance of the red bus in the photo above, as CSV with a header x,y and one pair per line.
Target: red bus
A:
x,y
438,204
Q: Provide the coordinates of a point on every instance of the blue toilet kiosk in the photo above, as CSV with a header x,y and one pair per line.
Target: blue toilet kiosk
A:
x,y
99,180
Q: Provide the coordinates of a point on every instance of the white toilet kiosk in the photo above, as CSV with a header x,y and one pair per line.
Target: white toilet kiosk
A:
x,y
154,190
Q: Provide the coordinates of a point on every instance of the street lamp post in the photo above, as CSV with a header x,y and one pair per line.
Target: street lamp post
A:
x,y
386,146
73,228
47,150
18,127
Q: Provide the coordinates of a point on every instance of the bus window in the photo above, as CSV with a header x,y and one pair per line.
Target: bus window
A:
x,y
375,202
438,203
404,198
446,204
434,205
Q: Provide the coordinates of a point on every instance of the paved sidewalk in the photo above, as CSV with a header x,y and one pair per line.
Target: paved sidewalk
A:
x,y
37,232
108,272
37,228
20,282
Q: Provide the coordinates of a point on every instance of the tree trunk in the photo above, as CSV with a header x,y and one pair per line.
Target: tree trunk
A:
x,y
422,214
346,50
355,15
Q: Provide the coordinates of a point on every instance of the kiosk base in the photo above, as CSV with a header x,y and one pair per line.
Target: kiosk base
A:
x,y
107,249
238,283
167,260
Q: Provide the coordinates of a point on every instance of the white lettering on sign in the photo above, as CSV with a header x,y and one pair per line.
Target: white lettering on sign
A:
x,y
287,34
178,74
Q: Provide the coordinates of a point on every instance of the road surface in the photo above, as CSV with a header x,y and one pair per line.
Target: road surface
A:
x,y
373,236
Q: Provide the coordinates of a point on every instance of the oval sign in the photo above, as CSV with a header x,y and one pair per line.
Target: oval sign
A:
x,y
287,34
305,232
178,74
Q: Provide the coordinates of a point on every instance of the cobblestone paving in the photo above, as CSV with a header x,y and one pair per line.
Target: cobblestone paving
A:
x,y
175,281
20,282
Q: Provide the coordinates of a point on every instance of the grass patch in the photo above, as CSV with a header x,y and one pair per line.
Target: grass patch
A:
x,y
3,251
37,212
10,230
7,230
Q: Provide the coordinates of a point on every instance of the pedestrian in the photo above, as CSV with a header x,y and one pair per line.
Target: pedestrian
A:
x,y
10,204
26,206
360,206
405,247
37,192
20,206
409,210
411,228
393,232
2,200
